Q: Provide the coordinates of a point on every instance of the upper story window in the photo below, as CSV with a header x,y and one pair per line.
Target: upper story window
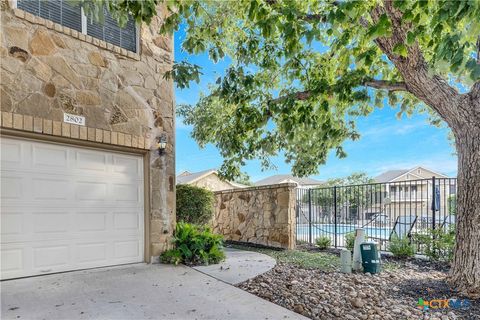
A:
x,y
110,32
64,13
58,11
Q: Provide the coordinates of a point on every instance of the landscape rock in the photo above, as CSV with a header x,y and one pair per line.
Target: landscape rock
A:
x,y
333,295
357,302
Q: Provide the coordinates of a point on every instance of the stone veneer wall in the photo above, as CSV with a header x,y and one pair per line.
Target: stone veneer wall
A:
x,y
261,215
48,69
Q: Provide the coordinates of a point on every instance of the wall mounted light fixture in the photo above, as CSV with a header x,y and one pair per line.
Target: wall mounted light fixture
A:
x,y
162,143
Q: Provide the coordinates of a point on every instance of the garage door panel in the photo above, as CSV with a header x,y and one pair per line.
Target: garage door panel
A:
x,y
12,224
12,260
125,221
127,192
51,257
126,249
51,222
92,252
91,221
90,190
49,156
50,189
84,211
91,161
127,165
11,154
12,187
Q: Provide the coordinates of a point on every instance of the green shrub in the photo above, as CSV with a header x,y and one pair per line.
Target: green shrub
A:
x,y
438,244
172,256
401,247
194,204
323,242
194,245
350,240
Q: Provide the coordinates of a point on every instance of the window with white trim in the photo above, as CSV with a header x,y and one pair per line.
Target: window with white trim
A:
x,y
64,13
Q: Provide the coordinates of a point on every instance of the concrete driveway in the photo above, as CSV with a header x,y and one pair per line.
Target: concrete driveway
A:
x,y
138,291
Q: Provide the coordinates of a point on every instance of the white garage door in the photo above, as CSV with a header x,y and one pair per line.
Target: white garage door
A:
x,y
68,208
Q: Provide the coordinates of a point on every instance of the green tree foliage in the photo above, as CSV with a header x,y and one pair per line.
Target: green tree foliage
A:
x,y
244,179
349,193
303,71
194,204
355,178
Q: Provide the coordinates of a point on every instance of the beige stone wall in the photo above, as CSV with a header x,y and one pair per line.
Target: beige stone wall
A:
x,y
213,183
261,215
47,69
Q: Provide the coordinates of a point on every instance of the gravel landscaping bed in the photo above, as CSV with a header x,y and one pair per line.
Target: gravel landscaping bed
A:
x,y
393,294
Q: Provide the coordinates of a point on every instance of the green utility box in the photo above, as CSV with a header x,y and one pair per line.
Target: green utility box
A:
x,y
370,257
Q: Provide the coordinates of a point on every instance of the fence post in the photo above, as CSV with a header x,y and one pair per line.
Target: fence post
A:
x,y
335,213
434,202
310,216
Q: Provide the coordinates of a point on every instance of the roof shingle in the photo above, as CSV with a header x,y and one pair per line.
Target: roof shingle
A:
x,y
281,178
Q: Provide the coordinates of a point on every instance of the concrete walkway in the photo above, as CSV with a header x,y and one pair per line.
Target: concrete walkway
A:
x,y
239,265
136,291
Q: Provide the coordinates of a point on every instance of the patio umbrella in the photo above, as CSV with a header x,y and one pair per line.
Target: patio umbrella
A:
x,y
436,199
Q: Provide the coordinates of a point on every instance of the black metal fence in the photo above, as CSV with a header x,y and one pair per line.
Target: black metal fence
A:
x,y
402,209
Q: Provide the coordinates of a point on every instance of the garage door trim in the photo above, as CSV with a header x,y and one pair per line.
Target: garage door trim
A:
x,y
11,133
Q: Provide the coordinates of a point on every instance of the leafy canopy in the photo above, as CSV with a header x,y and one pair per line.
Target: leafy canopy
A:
x,y
302,71
355,178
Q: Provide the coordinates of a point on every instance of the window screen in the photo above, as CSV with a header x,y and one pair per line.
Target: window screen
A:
x,y
64,13
110,32
58,11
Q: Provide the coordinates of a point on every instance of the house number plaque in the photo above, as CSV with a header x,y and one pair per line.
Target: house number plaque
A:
x,y
73,119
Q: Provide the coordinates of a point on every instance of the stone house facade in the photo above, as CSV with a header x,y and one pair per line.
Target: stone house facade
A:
x,y
106,165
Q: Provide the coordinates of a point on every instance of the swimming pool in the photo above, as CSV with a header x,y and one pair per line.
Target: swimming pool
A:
x,y
328,230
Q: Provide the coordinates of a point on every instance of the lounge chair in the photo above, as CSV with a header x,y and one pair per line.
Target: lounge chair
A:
x,y
401,229
449,220
403,226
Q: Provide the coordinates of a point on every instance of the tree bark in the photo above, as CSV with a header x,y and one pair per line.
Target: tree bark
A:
x,y
465,271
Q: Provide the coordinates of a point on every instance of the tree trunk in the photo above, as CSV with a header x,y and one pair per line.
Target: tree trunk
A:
x,y
462,113
465,272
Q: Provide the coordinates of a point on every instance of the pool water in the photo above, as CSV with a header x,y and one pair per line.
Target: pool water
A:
x,y
329,230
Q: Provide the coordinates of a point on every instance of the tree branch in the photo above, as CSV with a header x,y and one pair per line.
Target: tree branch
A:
x,y
387,85
299,96
376,84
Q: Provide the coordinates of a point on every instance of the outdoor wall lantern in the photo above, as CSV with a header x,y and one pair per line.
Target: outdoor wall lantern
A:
x,y
162,143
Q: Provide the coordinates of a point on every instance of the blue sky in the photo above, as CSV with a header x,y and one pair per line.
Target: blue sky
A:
x,y
386,142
